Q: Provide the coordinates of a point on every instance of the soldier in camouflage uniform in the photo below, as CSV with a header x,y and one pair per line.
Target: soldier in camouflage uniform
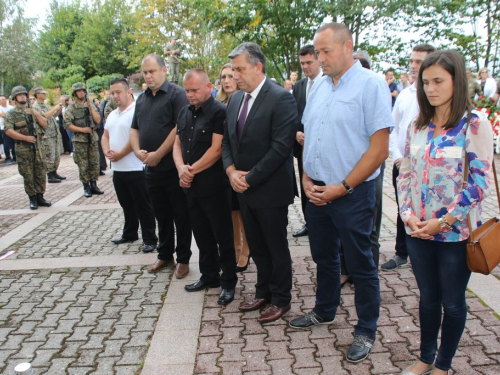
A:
x,y
110,107
52,137
82,118
18,123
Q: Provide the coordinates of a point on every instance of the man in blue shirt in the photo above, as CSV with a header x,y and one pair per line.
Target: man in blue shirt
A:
x,y
347,121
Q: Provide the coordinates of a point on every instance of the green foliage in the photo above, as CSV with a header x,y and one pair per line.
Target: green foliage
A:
x,y
98,84
70,81
58,34
59,75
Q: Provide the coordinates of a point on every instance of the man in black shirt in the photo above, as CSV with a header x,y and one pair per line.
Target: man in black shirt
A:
x,y
197,156
152,138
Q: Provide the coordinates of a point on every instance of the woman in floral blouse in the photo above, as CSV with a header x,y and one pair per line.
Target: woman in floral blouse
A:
x,y
434,202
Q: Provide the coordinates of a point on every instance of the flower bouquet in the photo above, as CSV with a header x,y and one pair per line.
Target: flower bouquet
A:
x,y
490,108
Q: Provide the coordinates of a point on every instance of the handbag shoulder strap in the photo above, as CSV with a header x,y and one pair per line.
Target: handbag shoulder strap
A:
x,y
466,176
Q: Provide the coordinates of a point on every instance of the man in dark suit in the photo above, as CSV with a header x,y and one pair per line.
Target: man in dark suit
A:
x,y
312,70
257,155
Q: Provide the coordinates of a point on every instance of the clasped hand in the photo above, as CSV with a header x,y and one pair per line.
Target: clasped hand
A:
x,y
425,230
238,181
186,175
322,195
151,159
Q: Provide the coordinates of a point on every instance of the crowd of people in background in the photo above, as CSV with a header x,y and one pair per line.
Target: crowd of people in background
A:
x,y
217,162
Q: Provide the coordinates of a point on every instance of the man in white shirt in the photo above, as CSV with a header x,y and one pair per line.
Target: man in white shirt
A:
x,y
8,143
128,173
404,111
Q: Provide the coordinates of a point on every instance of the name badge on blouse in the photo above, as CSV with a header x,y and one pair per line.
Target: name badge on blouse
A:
x,y
414,150
454,152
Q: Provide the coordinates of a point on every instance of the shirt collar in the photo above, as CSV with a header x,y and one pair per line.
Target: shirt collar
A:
x,y
317,77
351,72
130,107
163,87
255,92
203,108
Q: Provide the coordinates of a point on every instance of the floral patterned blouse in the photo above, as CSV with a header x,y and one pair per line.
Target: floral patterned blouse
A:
x,y
430,181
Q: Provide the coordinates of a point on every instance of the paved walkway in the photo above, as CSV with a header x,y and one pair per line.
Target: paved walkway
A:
x,y
73,303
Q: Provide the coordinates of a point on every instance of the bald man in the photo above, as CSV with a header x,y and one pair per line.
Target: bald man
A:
x,y
197,156
347,123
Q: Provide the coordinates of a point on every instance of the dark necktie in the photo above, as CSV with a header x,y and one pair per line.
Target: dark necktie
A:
x,y
243,116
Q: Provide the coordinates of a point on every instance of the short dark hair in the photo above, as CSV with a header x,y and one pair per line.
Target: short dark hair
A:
x,y
308,49
453,63
121,80
154,56
252,52
339,29
389,70
424,48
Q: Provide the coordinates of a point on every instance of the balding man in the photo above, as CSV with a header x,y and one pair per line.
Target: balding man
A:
x,y
197,156
347,122
152,138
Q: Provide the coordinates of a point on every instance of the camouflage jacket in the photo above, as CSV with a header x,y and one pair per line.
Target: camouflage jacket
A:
x,y
75,115
17,120
110,107
52,128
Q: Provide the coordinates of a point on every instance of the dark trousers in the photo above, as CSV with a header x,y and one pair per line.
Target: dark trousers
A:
x,y
266,232
442,275
169,206
102,159
400,226
8,148
377,223
132,194
347,220
65,139
213,231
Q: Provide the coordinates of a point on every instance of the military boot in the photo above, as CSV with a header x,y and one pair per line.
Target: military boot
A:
x,y
59,176
86,190
51,178
41,201
94,189
33,202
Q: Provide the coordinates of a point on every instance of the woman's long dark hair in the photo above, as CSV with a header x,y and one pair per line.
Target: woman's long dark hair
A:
x,y
453,63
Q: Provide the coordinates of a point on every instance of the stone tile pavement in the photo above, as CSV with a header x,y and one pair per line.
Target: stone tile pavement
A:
x,y
70,303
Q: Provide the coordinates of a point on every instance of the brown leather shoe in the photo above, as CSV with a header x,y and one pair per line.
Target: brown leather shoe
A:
x,y
160,264
182,270
254,304
273,313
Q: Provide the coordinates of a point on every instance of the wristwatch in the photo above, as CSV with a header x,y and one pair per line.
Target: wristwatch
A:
x,y
347,187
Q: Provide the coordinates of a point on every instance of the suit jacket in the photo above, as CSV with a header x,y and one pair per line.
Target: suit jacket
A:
x,y
299,93
265,146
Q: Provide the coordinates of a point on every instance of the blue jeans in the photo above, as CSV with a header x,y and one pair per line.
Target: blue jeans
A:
x,y
70,135
442,276
347,220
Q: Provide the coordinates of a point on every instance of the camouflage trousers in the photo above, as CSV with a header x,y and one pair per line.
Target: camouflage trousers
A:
x,y
32,169
174,72
86,157
52,152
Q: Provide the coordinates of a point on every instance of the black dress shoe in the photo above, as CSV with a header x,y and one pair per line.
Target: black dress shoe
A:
x,y
94,189
301,232
148,248
59,176
101,173
226,297
200,285
360,348
120,240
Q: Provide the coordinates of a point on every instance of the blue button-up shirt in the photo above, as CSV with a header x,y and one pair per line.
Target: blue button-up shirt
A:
x,y
339,121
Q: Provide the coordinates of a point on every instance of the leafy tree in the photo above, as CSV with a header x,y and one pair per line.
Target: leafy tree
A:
x,y
17,63
101,45
58,34
98,84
